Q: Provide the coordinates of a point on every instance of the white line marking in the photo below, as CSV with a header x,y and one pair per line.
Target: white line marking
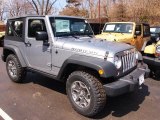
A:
x,y
4,115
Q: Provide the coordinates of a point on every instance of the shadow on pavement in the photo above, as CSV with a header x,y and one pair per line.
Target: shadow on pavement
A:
x,y
155,75
45,82
124,104
116,106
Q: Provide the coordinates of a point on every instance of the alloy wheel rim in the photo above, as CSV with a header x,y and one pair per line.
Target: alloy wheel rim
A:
x,y
80,94
12,68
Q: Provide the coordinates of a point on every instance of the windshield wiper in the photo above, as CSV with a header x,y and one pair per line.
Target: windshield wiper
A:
x,y
74,34
119,32
91,36
122,33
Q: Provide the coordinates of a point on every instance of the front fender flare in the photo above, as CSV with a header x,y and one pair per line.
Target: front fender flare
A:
x,y
91,62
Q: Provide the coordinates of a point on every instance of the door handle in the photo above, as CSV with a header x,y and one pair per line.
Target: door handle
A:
x,y
28,44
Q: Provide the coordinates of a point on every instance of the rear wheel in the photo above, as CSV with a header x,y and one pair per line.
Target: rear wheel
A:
x,y
14,69
85,93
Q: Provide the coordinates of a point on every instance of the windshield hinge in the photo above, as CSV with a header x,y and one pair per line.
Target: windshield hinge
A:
x,y
49,64
49,50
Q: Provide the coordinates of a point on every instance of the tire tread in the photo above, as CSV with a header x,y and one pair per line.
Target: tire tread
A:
x,y
21,73
97,89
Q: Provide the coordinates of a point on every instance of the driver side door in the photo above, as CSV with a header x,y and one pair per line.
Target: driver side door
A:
x,y
38,54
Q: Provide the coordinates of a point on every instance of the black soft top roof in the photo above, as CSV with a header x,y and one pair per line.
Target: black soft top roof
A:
x,y
20,17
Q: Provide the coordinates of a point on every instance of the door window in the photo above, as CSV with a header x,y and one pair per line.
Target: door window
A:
x,y
35,25
15,28
138,30
146,31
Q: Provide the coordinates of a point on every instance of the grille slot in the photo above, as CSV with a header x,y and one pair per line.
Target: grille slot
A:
x,y
128,60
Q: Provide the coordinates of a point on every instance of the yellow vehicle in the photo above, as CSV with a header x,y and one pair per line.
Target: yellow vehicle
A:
x,y
2,34
152,57
128,32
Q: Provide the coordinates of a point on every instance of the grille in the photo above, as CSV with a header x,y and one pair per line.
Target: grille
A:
x,y
128,60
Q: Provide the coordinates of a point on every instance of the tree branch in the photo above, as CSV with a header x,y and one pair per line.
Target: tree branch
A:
x,y
51,6
34,5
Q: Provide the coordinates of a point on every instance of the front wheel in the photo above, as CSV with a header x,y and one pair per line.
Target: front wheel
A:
x,y
85,93
14,69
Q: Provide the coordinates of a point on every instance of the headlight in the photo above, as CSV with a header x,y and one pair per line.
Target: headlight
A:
x,y
117,62
158,49
157,54
137,56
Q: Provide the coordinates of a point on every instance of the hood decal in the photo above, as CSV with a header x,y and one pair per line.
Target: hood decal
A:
x,y
84,51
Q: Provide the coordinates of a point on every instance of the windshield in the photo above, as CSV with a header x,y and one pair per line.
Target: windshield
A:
x,y
155,30
119,28
70,27
146,31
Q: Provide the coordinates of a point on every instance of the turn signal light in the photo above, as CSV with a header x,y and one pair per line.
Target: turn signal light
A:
x,y
101,72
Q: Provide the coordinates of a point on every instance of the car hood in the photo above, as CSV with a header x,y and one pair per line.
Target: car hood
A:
x,y
91,46
118,37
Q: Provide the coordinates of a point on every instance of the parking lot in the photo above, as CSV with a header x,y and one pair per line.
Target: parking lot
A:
x,y
41,98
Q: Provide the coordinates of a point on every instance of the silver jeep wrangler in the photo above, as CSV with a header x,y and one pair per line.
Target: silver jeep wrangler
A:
x,y
65,49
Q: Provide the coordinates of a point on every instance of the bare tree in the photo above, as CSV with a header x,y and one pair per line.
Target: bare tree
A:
x,y
95,8
75,8
116,10
2,9
17,8
42,7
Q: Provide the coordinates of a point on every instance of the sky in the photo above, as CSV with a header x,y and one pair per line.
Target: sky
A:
x,y
60,4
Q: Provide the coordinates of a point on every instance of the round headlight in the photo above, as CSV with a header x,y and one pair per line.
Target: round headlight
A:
x,y
158,49
117,62
137,56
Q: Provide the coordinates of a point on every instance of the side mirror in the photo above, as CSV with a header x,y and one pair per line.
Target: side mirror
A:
x,y
138,33
42,36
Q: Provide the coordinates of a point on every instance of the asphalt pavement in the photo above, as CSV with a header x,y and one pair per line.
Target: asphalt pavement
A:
x,y
42,98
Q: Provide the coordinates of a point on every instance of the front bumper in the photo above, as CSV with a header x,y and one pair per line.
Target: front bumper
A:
x,y
152,62
127,83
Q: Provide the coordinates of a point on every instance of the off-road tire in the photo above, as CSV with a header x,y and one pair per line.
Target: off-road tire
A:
x,y
21,72
98,94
